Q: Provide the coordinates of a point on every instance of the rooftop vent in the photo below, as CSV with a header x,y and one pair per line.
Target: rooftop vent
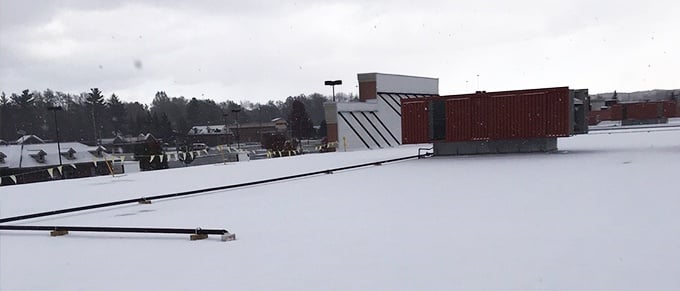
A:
x,y
39,156
98,152
69,154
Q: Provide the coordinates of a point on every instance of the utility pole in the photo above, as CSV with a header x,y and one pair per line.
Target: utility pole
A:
x,y
56,125
238,128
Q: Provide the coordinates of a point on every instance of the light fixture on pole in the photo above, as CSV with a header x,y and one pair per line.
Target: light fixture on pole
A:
x,y
332,84
56,125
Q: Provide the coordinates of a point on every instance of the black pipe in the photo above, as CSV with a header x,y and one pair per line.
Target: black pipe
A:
x,y
191,192
116,229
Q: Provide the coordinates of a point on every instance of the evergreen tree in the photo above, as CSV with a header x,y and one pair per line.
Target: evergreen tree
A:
x,y
135,115
193,113
164,127
94,100
24,112
24,100
3,99
95,97
5,117
300,124
116,109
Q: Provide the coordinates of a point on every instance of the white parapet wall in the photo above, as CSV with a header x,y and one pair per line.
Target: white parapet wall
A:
x,y
405,84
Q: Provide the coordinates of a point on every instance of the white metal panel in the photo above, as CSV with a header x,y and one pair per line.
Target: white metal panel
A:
x,y
406,84
347,139
358,106
391,119
389,115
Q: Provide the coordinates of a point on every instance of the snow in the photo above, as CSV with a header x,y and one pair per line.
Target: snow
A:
x,y
14,152
600,214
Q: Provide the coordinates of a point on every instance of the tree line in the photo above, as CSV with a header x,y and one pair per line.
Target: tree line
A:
x,y
90,116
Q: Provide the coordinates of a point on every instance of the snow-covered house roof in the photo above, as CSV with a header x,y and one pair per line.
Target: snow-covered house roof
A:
x,y
280,123
114,140
29,139
146,137
128,139
46,154
209,130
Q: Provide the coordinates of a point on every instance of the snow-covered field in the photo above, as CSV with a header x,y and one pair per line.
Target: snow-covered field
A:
x,y
601,214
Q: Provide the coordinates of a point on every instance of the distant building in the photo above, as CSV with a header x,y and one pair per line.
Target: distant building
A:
x,y
30,161
634,112
210,135
213,135
254,131
128,144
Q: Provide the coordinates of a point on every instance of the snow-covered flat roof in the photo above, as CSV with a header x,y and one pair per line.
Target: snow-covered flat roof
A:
x,y
601,214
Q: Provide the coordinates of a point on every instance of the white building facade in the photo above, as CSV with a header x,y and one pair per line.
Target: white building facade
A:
x,y
375,121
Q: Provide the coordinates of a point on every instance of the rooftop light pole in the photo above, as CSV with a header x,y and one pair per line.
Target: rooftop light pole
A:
x,y
21,156
332,84
226,128
56,125
238,128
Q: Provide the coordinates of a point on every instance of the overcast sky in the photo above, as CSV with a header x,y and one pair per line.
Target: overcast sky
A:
x,y
268,50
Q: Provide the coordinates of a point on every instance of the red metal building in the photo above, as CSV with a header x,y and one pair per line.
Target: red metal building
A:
x,y
636,112
462,121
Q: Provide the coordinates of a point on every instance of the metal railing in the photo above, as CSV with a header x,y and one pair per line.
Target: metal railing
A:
x,y
198,191
427,153
197,233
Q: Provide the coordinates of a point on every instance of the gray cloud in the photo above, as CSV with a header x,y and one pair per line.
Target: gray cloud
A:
x,y
261,50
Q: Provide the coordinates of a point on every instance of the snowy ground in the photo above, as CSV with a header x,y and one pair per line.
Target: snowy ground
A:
x,y
602,214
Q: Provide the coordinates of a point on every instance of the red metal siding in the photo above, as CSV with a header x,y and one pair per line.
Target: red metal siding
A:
x,y
557,105
594,117
458,119
670,109
639,111
643,110
503,115
414,122
509,115
616,112
480,124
